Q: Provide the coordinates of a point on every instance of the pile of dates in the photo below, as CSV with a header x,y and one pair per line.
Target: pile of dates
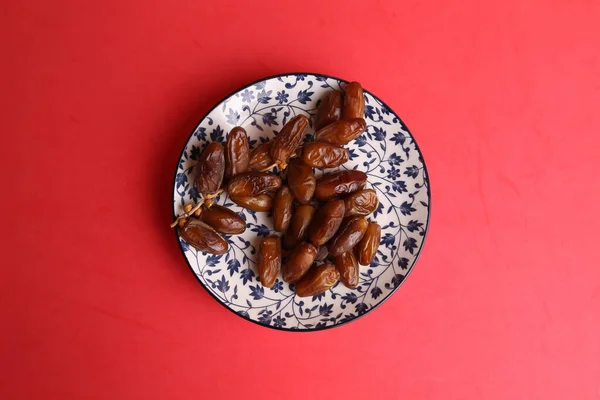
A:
x,y
325,233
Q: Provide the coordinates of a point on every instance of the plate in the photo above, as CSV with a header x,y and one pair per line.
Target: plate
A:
x,y
395,167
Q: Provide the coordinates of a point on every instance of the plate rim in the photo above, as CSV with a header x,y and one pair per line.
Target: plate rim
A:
x,y
427,180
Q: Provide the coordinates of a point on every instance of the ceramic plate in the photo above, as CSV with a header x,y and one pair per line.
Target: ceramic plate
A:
x,y
386,151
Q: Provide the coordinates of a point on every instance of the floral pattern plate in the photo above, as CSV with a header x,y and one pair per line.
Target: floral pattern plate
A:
x,y
395,167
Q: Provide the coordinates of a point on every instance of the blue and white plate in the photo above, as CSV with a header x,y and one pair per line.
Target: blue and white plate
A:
x,y
395,167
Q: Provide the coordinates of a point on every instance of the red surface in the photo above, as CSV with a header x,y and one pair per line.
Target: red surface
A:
x,y
96,301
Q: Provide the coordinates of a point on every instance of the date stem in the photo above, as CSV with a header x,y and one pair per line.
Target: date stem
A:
x,y
212,195
283,165
207,199
188,214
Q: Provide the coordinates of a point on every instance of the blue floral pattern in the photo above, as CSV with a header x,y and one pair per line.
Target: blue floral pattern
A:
x,y
389,155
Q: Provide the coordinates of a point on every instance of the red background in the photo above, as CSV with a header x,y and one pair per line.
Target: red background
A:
x,y
98,98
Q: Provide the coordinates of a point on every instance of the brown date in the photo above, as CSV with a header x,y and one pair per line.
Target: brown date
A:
x,y
269,260
317,280
367,248
339,183
288,138
210,168
354,101
223,220
283,207
262,202
298,226
237,152
284,254
298,262
348,236
324,155
253,183
301,181
363,202
260,158
326,222
204,238
341,132
347,266
322,253
330,110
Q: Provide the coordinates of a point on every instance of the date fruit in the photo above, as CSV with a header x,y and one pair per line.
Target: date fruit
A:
x,y
210,168
283,207
339,183
301,181
354,101
348,236
367,248
341,132
298,226
261,203
322,253
330,110
347,266
237,152
363,202
324,155
317,280
298,262
269,260
253,183
260,158
326,222
223,220
288,139
203,238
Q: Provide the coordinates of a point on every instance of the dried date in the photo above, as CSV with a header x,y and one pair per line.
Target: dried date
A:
x,y
322,253
326,222
348,236
339,183
269,260
299,224
363,202
288,139
366,249
324,155
348,268
299,262
341,132
203,238
319,279
283,207
237,152
330,110
301,181
210,169
223,220
253,183
354,101
261,203
260,158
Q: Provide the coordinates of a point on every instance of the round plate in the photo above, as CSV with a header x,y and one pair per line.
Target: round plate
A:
x,y
395,168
